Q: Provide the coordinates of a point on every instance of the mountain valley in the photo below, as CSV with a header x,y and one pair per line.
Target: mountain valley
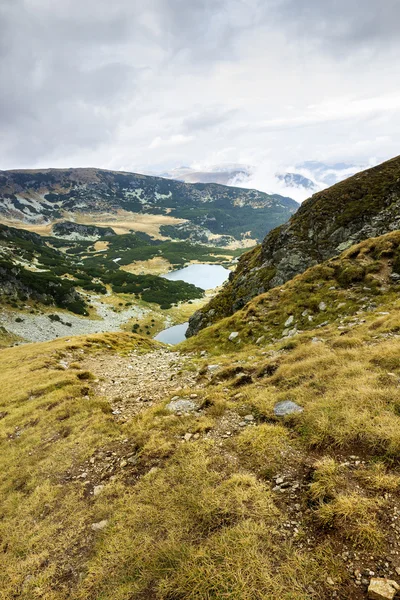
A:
x,y
258,459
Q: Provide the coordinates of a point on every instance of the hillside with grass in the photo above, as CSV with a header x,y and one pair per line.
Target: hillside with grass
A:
x,y
363,206
45,196
257,460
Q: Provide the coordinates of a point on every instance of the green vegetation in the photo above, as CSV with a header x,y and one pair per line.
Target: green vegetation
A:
x,y
58,275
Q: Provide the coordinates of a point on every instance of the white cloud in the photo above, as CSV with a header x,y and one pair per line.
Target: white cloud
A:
x,y
151,86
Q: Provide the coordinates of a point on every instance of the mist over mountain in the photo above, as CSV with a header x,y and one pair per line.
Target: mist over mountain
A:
x,y
297,181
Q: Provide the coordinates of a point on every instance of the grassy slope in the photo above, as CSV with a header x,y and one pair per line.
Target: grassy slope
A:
x,y
203,520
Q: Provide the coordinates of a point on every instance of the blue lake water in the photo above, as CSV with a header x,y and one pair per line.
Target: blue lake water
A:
x,y
206,277
173,335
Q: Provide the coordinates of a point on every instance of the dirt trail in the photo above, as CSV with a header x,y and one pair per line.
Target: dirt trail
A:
x,y
137,381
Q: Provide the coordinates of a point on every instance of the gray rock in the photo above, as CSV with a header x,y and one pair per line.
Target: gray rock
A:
x,y
260,339
97,489
233,336
322,306
289,321
249,418
287,407
176,406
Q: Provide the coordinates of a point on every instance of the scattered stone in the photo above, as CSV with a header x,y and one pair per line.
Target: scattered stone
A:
x,y
249,418
287,407
260,339
289,321
213,367
100,525
187,437
193,396
382,589
233,336
180,405
322,306
97,489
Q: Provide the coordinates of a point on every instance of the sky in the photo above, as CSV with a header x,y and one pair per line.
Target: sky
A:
x,y
149,85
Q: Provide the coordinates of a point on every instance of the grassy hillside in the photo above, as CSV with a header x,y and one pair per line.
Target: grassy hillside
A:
x,y
107,491
363,206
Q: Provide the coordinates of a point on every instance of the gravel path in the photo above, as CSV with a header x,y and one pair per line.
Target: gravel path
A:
x,y
136,382
39,328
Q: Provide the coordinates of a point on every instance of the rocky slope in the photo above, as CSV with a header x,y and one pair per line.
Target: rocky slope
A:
x,y
363,206
46,195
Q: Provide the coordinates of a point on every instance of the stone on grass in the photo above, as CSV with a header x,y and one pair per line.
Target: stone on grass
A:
x,y
287,407
249,418
322,306
382,589
185,406
260,339
97,489
233,336
100,525
289,321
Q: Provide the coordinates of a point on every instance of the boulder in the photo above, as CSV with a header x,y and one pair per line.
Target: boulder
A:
x,y
382,589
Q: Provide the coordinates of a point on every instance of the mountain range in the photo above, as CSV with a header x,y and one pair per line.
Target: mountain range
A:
x,y
44,196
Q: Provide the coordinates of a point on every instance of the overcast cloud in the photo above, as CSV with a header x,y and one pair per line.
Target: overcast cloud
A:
x,y
148,85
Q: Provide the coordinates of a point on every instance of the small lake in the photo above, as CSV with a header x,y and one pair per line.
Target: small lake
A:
x,y
206,277
173,335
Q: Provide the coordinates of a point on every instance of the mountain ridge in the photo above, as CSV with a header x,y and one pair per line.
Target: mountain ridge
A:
x,y
363,206
44,195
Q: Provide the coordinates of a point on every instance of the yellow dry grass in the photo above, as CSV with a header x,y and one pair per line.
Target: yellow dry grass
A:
x,y
124,222
154,266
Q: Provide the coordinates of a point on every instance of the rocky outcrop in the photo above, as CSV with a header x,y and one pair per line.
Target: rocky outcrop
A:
x,y
363,206
76,231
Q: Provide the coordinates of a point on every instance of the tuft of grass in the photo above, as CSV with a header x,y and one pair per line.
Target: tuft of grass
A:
x,y
355,517
326,479
263,448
